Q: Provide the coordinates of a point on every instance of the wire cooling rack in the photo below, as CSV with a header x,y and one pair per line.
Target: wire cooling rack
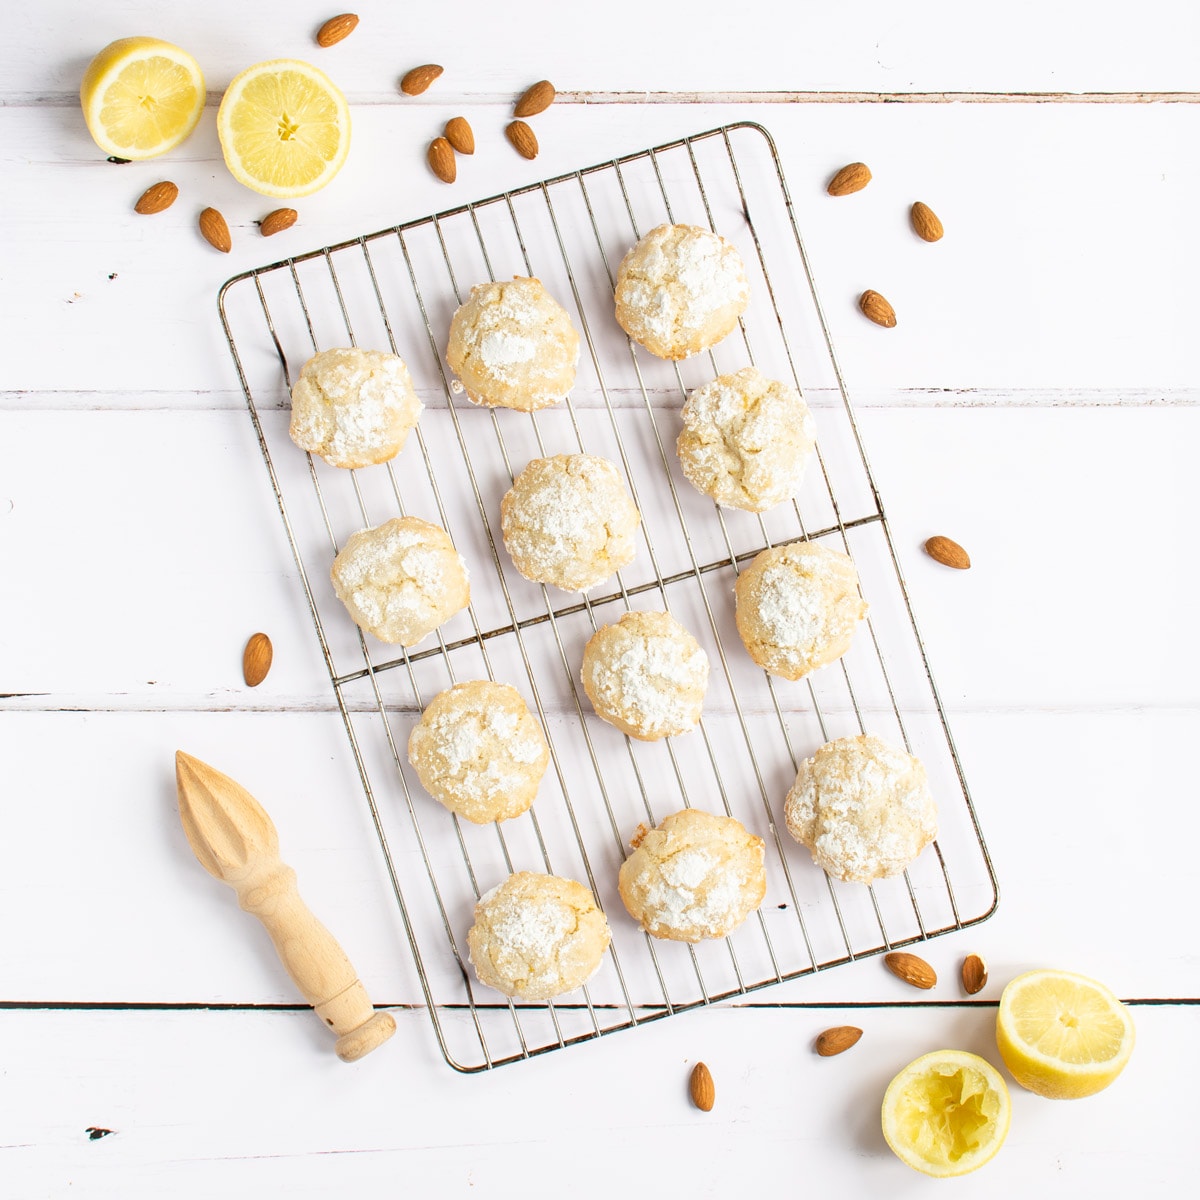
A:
x,y
397,289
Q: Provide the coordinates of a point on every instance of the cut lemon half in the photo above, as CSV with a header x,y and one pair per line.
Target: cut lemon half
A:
x,y
141,97
284,128
947,1113
1061,1035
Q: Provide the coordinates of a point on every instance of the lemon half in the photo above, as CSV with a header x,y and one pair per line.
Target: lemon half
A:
x,y
1062,1035
141,97
284,128
947,1113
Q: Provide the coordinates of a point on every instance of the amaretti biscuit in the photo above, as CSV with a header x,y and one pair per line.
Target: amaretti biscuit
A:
x,y
512,345
537,936
797,607
478,750
680,290
353,408
746,440
695,876
569,520
863,808
401,580
646,675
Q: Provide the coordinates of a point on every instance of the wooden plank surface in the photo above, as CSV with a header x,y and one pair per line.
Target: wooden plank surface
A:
x,y
1037,401
311,1125
627,46
1052,790
1080,285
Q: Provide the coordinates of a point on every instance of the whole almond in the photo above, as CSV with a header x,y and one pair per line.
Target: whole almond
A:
x,y
911,969
441,159
215,231
925,222
256,659
419,78
535,99
834,1041
703,1090
948,553
523,139
460,135
156,198
277,221
853,177
876,308
974,974
336,28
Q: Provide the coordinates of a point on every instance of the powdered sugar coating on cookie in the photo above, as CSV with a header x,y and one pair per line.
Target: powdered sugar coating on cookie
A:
x,y
797,607
680,290
537,936
862,807
646,675
568,520
401,580
746,440
513,346
695,876
478,750
353,407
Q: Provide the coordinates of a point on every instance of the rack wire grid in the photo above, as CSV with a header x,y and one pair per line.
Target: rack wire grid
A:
x,y
397,289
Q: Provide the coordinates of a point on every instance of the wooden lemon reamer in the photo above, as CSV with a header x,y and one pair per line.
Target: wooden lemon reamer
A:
x,y
236,842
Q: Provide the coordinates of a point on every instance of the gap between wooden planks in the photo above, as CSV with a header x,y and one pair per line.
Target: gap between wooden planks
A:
x,y
64,99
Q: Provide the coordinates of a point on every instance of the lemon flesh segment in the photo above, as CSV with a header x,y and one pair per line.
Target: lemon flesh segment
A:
x,y
947,1113
1062,1035
284,129
141,97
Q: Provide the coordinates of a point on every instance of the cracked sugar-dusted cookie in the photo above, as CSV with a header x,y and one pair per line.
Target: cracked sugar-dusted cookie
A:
x,y
680,290
537,936
401,580
512,345
478,750
569,520
746,440
862,807
353,408
646,675
797,607
693,877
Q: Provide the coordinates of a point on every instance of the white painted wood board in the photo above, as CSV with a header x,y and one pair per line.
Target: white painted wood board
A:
x,y
172,511
763,45
1086,881
610,1117
1077,285
1051,425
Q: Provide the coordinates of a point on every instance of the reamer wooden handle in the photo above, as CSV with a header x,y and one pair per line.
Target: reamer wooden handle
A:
x,y
235,841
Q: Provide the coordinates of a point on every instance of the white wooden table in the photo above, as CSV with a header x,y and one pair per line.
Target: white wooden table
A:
x,y
1038,402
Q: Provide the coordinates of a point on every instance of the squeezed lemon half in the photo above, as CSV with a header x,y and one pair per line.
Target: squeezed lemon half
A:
x,y
947,1113
1062,1035
141,97
284,128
